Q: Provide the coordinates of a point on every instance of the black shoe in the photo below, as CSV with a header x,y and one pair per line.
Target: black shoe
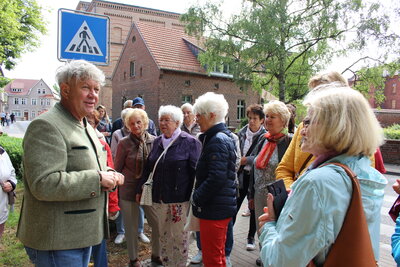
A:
x,y
156,261
259,262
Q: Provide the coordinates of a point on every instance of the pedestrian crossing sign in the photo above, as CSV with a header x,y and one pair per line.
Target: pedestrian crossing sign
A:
x,y
83,36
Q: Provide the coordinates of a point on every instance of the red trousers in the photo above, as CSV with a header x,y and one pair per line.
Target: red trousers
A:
x,y
212,238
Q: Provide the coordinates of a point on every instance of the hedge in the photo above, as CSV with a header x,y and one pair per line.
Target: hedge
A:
x,y
392,132
13,146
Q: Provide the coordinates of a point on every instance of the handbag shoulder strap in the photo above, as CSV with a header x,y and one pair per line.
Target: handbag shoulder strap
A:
x,y
352,246
162,154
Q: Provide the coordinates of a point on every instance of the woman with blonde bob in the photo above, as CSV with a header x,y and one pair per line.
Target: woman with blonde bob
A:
x,y
315,210
130,159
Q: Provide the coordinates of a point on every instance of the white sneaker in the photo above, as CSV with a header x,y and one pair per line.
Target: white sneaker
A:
x,y
250,244
142,237
228,261
198,258
119,239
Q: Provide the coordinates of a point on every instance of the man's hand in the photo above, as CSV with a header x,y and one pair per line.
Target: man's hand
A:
x,y
269,213
109,180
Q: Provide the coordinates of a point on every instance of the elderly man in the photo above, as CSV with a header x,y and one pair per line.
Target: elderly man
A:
x,y
66,180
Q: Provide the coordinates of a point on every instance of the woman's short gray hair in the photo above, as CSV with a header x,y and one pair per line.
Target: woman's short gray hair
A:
x,y
212,103
187,106
173,111
79,70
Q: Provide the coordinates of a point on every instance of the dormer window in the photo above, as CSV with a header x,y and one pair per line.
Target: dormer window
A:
x,y
16,90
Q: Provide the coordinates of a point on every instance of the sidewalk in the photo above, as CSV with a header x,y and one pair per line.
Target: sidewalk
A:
x,y
392,169
16,129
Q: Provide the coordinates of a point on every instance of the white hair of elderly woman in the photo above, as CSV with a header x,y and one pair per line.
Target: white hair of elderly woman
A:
x,y
187,106
79,70
174,112
212,103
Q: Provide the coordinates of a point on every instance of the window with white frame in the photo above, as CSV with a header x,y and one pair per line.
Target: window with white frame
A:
x,y
33,101
393,103
47,102
16,101
42,101
43,91
18,90
38,91
33,114
23,101
241,109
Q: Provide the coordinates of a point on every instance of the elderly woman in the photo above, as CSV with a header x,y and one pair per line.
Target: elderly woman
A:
x,y
104,125
172,183
248,137
268,153
315,210
189,124
120,133
296,161
131,156
8,183
214,197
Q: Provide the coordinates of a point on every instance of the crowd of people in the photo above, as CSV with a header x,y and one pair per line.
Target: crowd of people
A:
x,y
91,171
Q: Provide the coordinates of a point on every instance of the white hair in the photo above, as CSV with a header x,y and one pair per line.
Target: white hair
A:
x,y
173,111
79,70
212,103
188,106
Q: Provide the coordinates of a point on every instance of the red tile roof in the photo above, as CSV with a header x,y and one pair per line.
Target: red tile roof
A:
x,y
169,48
24,84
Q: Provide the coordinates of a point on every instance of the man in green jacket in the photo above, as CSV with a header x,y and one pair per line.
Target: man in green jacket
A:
x,y
64,211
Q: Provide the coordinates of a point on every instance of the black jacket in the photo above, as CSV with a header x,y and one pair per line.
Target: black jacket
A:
x,y
214,197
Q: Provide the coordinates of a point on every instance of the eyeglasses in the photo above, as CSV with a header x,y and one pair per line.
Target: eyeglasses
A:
x,y
306,122
165,121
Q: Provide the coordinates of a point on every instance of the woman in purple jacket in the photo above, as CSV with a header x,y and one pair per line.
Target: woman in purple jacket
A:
x,y
172,183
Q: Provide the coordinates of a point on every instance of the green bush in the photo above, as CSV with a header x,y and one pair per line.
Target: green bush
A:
x,y
13,146
392,132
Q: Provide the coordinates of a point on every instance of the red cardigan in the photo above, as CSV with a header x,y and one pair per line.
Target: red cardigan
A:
x,y
112,196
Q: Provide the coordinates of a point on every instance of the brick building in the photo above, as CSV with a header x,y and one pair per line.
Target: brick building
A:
x,y
392,94
160,64
121,18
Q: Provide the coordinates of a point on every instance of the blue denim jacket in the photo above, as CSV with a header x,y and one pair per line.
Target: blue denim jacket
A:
x,y
313,214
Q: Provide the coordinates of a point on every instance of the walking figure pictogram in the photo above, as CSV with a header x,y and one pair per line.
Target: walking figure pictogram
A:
x,y
84,42
84,35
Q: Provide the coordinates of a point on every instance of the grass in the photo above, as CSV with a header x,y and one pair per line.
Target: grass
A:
x,y
12,252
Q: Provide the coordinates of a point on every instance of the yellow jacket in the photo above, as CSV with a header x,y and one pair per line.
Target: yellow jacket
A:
x,y
294,158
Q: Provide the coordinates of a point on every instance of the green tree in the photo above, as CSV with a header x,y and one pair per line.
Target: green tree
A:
x,y
278,44
21,23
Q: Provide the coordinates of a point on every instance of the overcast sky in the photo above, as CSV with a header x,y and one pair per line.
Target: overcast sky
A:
x,y
43,62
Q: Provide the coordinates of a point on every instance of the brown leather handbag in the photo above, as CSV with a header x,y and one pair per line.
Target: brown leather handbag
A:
x,y
352,247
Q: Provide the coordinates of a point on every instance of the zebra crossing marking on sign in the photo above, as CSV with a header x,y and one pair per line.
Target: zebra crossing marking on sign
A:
x,y
83,35
84,42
